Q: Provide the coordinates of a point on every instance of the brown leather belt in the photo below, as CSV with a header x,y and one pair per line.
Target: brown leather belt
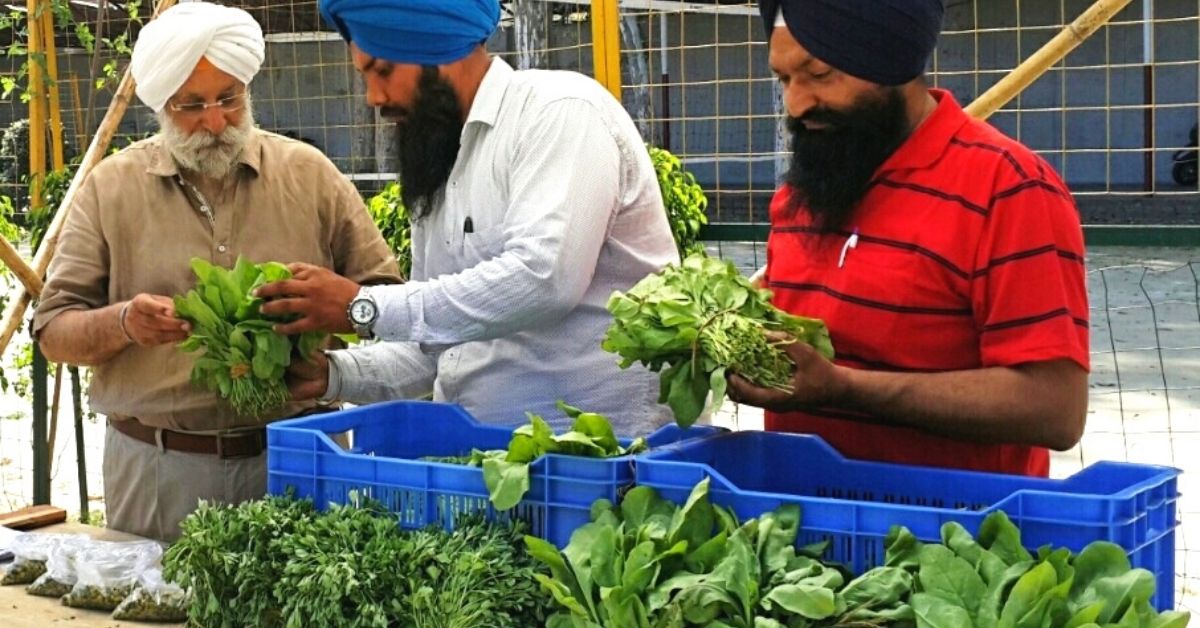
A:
x,y
242,444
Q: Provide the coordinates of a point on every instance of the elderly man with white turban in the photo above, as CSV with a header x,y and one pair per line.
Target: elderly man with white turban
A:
x,y
209,185
534,199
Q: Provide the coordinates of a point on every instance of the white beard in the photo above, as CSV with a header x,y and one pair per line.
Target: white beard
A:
x,y
210,156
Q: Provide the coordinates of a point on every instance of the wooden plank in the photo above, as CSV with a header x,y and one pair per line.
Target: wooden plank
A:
x,y
33,517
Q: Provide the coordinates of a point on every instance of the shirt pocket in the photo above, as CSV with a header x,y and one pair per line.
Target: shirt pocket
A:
x,y
483,245
903,277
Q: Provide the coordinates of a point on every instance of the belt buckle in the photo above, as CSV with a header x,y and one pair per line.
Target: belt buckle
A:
x,y
221,454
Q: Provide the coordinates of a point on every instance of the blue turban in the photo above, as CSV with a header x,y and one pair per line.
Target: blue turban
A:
x,y
421,32
887,42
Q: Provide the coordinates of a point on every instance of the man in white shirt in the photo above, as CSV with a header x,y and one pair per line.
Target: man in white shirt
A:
x,y
533,199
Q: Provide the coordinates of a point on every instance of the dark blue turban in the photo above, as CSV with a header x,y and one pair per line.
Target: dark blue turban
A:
x,y
421,32
882,41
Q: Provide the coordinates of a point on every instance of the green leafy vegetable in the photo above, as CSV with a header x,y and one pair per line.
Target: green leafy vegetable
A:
x,y
695,322
992,581
243,359
506,473
653,563
277,562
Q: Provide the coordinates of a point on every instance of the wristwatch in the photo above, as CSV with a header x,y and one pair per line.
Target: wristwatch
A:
x,y
363,312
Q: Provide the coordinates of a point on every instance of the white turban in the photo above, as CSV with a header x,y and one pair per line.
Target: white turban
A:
x,y
170,46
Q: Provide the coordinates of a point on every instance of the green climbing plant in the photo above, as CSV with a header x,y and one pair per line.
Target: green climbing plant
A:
x,y
684,200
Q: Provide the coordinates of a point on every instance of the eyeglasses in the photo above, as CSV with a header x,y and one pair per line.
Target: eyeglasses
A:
x,y
228,105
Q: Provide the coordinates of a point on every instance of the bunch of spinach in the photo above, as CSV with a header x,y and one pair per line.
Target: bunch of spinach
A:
x,y
992,581
506,472
694,322
244,359
650,563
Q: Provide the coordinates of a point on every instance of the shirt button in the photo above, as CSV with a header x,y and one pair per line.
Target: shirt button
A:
x,y
221,248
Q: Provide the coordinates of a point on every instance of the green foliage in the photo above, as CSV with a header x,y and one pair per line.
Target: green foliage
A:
x,y
683,198
391,216
226,558
991,581
244,359
694,322
506,472
277,562
652,563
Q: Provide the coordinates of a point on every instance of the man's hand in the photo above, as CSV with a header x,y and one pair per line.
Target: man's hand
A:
x,y
308,379
816,383
319,295
150,320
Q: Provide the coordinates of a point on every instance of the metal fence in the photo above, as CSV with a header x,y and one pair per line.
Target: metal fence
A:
x,y
1110,117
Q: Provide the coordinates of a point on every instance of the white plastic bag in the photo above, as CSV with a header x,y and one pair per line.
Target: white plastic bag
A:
x,y
105,572
60,567
29,558
154,599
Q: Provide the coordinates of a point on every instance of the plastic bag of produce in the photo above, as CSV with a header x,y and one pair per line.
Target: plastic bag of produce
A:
x,y
154,599
60,567
106,573
30,551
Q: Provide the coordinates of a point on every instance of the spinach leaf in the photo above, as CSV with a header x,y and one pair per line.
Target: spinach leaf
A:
x,y
695,322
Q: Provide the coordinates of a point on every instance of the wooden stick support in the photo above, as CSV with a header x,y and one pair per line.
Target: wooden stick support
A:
x,y
95,152
12,258
1035,66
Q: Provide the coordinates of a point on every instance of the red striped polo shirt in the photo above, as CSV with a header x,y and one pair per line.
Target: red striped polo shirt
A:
x,y
969,255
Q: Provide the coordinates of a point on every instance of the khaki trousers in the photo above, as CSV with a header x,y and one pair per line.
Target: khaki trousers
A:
x,y
148,491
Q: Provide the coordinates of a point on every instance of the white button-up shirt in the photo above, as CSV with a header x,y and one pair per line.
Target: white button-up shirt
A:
x,y
552,205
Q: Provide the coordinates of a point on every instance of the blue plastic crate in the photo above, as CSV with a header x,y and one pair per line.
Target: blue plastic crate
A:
x,y
853,503
387,441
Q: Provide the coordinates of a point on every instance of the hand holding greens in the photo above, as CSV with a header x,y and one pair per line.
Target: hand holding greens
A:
x,y
695,322
244,359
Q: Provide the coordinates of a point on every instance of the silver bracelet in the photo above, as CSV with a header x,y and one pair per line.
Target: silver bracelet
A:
x,y
121,321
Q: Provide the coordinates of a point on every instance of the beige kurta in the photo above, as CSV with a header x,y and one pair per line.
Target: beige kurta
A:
x,y
134,230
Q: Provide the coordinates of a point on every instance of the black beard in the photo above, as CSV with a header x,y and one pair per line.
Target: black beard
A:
x,y
832,168
427,142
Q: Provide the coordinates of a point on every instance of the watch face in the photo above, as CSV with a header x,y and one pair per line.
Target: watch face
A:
x,y
362,311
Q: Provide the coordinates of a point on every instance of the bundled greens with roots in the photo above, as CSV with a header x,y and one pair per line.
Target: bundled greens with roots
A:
x,y
244,358
697,321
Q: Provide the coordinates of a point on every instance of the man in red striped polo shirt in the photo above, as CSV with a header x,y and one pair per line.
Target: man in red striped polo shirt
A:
x,y
946,258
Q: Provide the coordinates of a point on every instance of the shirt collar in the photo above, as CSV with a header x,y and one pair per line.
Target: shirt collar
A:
x,y
163,165
490,95
931,139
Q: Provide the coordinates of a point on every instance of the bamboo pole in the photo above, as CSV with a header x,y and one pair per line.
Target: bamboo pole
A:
x,y
80,125
55,401
12,258
606,45
37,106
95,152
1036,65
52,90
